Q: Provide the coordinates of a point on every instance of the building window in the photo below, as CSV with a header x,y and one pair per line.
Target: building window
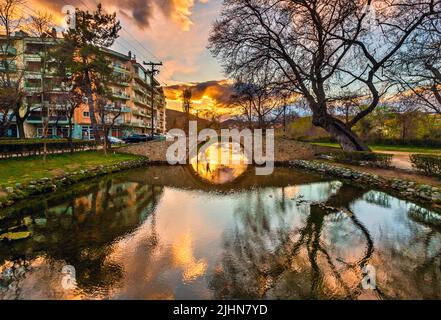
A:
x,y
86,114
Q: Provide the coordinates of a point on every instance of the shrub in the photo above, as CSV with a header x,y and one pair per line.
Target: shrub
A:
x,y
419,143
382,160
426,163
28,147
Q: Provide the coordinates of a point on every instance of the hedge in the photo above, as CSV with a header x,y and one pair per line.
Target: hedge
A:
x,y
31,147
420,143
427,164
382,160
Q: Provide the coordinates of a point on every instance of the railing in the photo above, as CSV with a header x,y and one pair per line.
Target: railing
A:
x,y
8,50
137,123
142,102
140,89
32,88
33,56
38,119
112,108
9,67
32,147
121,69
121,95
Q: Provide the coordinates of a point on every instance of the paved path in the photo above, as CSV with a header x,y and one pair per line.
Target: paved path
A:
x,y
400,160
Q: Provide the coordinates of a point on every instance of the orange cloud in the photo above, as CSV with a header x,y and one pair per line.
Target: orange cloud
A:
x,y
209,95
140,11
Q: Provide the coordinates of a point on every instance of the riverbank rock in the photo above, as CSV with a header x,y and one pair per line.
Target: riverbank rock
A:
x,y
408,189
46,185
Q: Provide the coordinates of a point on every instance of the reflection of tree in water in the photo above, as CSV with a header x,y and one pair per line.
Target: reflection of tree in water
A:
x,y
414,267
266,257
318,250
378,198
81,231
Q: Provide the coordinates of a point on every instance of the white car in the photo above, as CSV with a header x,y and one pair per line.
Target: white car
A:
x,y
114,140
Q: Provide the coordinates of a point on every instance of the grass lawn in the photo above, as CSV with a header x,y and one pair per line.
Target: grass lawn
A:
x,y
387,148
22,170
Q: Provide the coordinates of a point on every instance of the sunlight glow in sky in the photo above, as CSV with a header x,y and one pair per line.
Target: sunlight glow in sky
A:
x,y
174,31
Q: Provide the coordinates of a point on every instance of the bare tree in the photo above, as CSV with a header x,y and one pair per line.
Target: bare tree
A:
x,y
261,106
318,48
186,105
69,101
346,106
41,27
418,68
108,114
407,112
11,92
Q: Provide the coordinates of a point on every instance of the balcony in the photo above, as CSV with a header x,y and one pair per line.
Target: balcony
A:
x,y
56,89
34,119
142,80
137,123
30,87
33,74
121,95
125,109
139,89
141,102
32,56
8,66
112,108
8,51
120,69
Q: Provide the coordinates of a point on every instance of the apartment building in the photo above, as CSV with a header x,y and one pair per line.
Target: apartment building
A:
x,y
132,92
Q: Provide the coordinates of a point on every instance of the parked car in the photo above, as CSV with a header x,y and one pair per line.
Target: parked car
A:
x,y
158,137
114,140
136,137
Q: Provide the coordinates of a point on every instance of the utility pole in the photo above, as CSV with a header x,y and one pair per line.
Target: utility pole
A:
x,y
153,72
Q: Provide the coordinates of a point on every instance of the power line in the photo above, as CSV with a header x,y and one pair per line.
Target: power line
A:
x,y
149,52
119,41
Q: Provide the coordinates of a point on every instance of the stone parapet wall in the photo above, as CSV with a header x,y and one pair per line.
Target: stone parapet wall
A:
x,y
285,150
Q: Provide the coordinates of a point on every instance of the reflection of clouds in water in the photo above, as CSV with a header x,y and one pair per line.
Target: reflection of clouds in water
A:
x,y
133,240
183,257
220,162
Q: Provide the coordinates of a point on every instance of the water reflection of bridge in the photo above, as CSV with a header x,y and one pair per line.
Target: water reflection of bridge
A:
x,y
184,177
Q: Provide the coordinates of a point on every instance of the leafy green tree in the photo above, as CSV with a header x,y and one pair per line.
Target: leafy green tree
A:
x,y
84,54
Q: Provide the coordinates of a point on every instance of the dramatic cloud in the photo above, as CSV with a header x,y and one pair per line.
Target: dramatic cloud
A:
x,y
141,11
175,31
211,95
172,31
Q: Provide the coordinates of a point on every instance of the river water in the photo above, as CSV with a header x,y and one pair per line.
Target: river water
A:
x,y
195,232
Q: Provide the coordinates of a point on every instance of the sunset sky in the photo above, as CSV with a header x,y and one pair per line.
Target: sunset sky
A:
x,y
172,31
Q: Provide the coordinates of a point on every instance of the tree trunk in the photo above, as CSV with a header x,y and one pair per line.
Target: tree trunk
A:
x,y
20,127
69,138
348,140
93,122
105,141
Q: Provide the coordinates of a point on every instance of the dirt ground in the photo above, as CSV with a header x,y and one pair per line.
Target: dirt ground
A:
x,y
401,160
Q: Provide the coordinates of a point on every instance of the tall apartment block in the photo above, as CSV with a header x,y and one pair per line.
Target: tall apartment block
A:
x,y
132,92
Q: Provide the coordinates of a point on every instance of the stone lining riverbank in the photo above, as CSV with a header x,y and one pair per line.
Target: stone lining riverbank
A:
x,y
405,188
46,185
